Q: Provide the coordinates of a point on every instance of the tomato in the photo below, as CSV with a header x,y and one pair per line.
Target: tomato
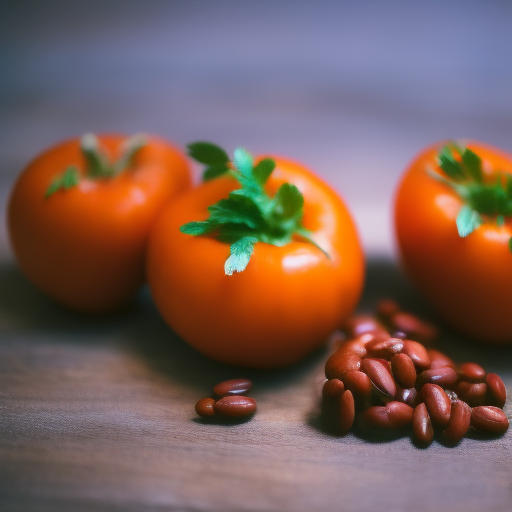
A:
x,y
287,300
462,266
83,242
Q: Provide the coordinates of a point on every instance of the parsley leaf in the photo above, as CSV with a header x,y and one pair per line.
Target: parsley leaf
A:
x,y
68,179
208,154
467,221
240,254
249,215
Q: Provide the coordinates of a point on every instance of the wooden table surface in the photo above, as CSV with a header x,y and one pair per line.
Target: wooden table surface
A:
x,y
96,413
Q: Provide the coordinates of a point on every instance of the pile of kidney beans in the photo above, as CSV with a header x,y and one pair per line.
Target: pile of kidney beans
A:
x,y
383,378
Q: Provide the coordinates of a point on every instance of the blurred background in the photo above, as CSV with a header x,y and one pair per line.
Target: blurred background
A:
x,y
354,89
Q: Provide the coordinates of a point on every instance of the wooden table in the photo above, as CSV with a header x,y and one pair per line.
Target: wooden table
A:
x,y
97,413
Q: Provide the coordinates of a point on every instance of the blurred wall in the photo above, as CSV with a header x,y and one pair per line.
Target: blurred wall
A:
x,y
352,88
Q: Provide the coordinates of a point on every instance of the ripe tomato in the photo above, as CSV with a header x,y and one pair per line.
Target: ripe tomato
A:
x,y
288,299
84,243
467,277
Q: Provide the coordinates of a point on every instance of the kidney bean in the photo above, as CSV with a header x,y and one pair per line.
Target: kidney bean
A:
x,y
361,324
444,376
422,425
346,412
418,353
232,387
451,395
413,327
473,394
204,407
437,402
489,419
332,388
496,391
439,360
471,372
393,415
458,425
403,370
385,349
345,359
380,375
235,406
386,308
360,385
407,396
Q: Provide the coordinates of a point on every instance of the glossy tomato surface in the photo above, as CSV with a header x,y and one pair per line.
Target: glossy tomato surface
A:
x,y
467,280
288,299
85,246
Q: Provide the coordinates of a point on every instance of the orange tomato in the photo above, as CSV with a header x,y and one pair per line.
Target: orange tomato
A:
x,y
85,246
467,280
288,299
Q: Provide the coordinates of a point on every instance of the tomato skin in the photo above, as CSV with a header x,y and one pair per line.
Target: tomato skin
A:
x,y
85,246
288,299
468,280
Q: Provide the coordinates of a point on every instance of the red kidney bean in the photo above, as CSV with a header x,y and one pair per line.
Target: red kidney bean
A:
x,y
496,391
385,349
458,425
346,358
204,407
421,424
413,327
346,412
403,370
444,377
407,396
360,385
386,308
380,375
418,353
332,388
473,394
234,406
439,360
393,415
437,402
489,419
361,324
471,372
232,387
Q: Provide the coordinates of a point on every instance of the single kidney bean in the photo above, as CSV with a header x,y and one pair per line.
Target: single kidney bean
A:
x,y
418,353
393,415
232,387
385,349
473,394
332,388
458,425
489,419
360,385
496,391
346,413
421,424
413,327
361,324
403,370
439,360
386,308
380,375
407,396
471,372
342,361
437,402
204,407
444,377
235,406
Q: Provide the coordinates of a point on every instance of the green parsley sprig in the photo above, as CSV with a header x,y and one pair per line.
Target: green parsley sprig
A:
x,y
98,164
248,215
484,200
